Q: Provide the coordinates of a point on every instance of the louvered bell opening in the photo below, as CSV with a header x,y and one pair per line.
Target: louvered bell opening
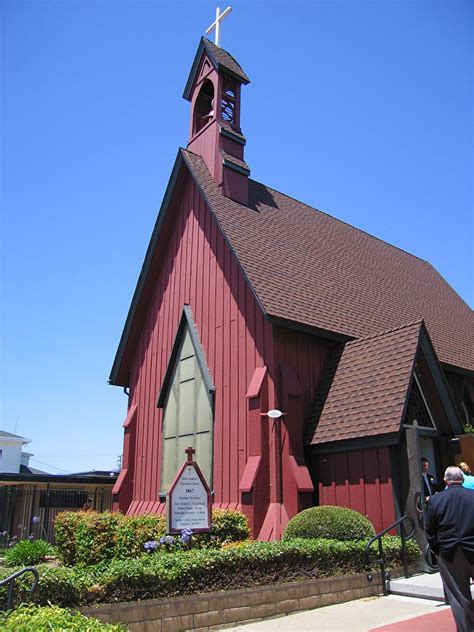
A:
x,y
228,100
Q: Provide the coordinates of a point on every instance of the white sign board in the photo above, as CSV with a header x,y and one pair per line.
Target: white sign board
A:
x,y
189,501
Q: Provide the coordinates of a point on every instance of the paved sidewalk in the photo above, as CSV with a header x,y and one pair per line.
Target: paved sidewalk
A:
x,y
442,621
391,614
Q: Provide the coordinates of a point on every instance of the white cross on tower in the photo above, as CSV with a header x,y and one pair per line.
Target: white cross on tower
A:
x,y
217,24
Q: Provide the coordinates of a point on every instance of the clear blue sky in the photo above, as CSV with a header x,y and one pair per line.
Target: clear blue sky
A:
x,y
362,109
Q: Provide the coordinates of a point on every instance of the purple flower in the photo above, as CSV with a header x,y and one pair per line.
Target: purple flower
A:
x,y
35,519
168,539
186,535
151,545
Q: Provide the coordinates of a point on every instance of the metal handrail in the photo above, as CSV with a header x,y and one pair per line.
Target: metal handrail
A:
x,y
11,580
381,559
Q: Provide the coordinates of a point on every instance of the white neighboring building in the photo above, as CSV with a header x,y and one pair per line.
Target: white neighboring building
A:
x,y
11,455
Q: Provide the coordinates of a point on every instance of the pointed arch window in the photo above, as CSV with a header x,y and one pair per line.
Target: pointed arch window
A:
x,y
187,399
204,107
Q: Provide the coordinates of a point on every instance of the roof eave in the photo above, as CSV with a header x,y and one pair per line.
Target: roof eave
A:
x,y
452,368
309,329
6,477
194,68
440,380
354,443
119,376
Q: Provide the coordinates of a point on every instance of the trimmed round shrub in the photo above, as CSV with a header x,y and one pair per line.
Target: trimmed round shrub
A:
x,y
27,618
28,552
331,523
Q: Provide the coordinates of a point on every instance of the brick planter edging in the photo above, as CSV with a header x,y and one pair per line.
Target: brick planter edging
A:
x,y
217,610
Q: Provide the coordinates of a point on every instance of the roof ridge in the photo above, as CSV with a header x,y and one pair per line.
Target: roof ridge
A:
x,y
418,321
213,45
217,50
361,230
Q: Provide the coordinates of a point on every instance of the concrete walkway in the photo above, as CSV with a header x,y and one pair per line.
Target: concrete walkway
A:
x,y
363,615
424,611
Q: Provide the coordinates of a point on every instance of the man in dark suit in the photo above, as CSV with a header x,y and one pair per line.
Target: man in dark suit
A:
x,y
429,486
450,529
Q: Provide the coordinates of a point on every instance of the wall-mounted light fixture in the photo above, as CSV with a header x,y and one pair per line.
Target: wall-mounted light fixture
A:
x,y
273,414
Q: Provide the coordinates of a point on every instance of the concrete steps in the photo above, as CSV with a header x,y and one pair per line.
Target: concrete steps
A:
x,y
423,586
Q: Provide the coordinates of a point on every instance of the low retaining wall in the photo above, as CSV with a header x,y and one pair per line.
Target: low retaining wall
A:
x,y
213,611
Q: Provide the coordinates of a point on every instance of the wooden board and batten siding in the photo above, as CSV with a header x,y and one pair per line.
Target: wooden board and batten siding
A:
x,y
360,480
198,270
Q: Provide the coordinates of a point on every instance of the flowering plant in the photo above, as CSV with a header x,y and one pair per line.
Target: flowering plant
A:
x,y
36,521
151,546
170,542
186,535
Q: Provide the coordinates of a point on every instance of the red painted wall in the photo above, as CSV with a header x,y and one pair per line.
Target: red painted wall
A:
x,y
306,355
299,359
360,480
200,270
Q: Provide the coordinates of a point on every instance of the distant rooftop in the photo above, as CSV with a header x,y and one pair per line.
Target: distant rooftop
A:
x,y
9,435
91,473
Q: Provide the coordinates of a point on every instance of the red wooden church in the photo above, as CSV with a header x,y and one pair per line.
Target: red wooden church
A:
x,y
358,343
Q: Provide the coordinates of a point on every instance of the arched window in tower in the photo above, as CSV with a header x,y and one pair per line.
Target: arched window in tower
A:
x,y
204,108
228,100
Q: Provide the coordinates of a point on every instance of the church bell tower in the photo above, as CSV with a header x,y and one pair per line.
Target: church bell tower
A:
x,y
214,90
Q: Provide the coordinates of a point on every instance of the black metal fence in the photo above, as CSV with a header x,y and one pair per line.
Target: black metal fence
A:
x,y
30,512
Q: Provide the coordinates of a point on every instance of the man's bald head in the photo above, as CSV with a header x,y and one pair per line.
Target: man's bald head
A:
x,y
453,475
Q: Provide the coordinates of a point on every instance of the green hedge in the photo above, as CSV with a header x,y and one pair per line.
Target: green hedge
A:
x,y
201,570
65,527
27,618
331,522
88,537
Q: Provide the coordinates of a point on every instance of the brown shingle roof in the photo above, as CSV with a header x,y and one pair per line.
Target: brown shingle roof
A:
x,y
225,60
308,267
220,59
370,386
236,161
